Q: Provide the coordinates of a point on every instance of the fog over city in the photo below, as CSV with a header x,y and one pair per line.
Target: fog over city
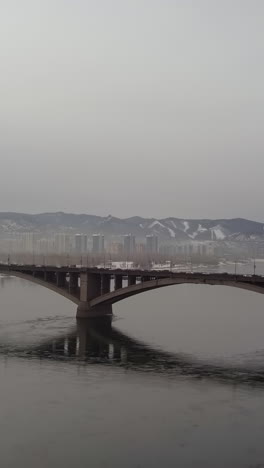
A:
x,y
150,108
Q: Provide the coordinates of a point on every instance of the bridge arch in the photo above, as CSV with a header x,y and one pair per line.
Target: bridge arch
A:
x,y
89,288
47,285
129,291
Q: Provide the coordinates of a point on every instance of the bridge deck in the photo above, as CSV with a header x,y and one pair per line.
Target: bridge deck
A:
x,y
125,273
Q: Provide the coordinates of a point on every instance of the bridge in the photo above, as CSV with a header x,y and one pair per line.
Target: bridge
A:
x,y
95,290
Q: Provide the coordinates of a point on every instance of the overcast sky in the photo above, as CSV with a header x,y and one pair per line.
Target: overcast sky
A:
x,y
147,107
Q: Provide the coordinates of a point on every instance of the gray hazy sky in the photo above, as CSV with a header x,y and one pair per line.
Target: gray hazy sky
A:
x,y
148,107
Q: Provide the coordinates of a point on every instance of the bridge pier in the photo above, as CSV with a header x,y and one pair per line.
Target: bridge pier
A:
x,y
61,279
131,280
91,287
144,279
105,284
73,282
38,274
49,276
84,311
118,282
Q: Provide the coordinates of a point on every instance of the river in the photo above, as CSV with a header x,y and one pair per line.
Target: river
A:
x,y
177,380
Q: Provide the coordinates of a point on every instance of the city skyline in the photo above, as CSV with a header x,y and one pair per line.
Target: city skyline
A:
x,y
30,246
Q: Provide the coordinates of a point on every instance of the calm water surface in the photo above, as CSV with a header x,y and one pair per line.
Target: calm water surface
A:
x,y
177,380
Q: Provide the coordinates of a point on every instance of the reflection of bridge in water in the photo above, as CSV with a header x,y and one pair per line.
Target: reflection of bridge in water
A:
x,y
97,342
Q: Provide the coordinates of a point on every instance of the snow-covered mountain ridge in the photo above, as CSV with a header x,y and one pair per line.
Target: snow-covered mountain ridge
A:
x,y
167,229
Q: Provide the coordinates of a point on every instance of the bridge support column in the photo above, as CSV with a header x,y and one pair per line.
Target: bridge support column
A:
x,y
84,311
90,286
105,284
61,279
73,282
49,276
145,278
118,282
131,280
90,289
38,274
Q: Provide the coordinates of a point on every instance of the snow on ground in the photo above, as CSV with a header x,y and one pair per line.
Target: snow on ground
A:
x,y
172,233
186,226
156,223
218,232
187,267
8,225
118,265
195,233
161,266
201,228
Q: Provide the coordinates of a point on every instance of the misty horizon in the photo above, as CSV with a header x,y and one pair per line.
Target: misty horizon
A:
x,y
147,107
128,217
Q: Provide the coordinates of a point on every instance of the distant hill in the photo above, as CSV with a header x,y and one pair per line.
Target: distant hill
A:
x,y
167,229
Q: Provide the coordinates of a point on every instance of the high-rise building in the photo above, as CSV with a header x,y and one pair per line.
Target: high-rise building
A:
x,y
152,244
167,249
140,248
129,244
190,249
27,241
98,243
62,243
202,250
115,248
80,243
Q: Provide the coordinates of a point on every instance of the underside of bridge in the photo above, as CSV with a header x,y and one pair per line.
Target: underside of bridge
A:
x,y
94,292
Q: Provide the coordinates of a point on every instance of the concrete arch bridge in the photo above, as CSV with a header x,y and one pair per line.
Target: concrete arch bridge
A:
x,y
94,290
